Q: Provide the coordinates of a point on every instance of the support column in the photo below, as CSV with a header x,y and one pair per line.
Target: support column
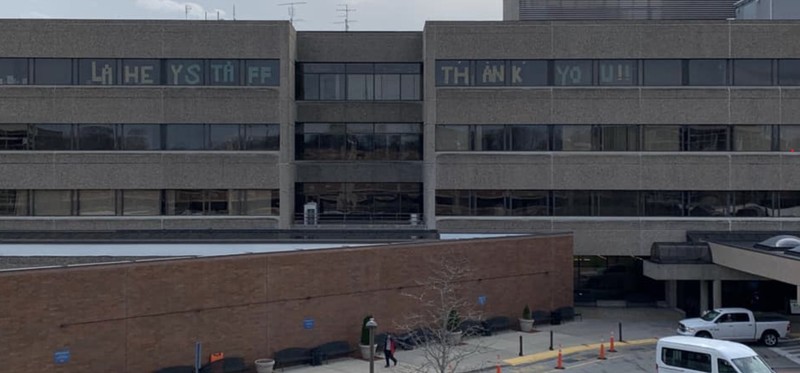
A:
x,y
717,293
703,296
671,293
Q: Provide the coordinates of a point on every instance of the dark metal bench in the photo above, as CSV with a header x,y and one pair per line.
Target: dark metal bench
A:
x,y
541,317
498,323
330,350
474,328
569,314
226,365
291,356
413,338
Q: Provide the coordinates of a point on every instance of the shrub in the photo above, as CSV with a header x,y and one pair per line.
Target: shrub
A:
x,y
526,313
365,331
453,321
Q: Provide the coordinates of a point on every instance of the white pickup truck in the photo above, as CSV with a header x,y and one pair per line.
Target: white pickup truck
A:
x,y
736,324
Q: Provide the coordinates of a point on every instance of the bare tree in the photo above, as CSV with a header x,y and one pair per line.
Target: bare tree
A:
x,y
443,316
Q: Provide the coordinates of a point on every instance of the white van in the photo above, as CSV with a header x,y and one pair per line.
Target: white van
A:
x,y
693,354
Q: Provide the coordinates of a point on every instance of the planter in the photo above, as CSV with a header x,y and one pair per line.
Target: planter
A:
x,y
365,351
526,325
264,365
454,338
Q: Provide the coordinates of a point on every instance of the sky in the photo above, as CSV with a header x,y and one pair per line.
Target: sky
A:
x,y
369,15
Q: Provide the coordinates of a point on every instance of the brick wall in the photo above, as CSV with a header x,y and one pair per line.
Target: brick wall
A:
x,y
144,316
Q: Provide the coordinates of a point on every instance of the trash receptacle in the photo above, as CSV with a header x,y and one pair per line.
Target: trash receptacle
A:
x,y
555,318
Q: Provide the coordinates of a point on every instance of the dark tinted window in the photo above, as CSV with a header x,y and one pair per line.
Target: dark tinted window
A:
x,y
96,202
223,72
262,72
708,204
491,73
572,72
752,138
572,138
529,138
14,137
572,203
52,136
789,72
708,72
185,72
97,71
453,138
223,137
360,87
528,73
453,73
331,86
663,72
96,137
185,202
752,72
141,72
530,203
790,204
52,203
657,203
452,202
490,203
661,138
53,71
184,137
13,71
617,72
217,202
618,138
13,202
617,203
491,138
141,137
790,138
310,87
387,86
410,87
753,204
686,359
262,136
707,138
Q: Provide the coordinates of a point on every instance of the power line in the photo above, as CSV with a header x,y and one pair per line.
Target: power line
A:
x,y
346,10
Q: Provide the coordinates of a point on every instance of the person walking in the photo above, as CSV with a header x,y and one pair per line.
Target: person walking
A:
x,y
388,349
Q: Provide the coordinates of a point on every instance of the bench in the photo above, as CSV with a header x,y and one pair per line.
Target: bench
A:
x,y
569,314
225,365
291,356
474,327
541,317
498,323
329,350
177,369
413,338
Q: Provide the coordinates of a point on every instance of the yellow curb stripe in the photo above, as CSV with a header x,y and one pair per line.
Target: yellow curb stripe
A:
x,y
548,355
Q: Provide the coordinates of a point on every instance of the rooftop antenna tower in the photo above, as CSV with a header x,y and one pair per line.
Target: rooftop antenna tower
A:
x,y
291,8
234,12
187,8
345,9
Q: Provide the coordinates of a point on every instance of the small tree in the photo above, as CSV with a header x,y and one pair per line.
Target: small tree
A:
x,y
453,321
365,331
526,313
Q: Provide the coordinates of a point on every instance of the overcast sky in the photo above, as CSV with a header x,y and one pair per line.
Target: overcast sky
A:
x,y
314,14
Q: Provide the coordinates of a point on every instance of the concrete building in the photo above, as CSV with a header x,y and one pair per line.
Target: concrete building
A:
x,y
547,10
767,9
627,133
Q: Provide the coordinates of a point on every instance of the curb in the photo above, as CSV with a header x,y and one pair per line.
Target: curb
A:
x,y
550,355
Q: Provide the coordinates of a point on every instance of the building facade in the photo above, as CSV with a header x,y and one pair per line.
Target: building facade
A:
x,y
767,9
547,10
625,132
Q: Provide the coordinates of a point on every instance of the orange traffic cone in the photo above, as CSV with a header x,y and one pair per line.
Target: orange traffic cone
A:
x,y
560,361
499,370
602,352
611,347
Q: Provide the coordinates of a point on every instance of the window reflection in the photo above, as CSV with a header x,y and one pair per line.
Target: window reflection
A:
x,y
359,141
361,202
52,136
359,81
753,204
96,137
708,204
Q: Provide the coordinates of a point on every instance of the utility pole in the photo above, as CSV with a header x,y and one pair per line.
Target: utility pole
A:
x,y
291,8
345,10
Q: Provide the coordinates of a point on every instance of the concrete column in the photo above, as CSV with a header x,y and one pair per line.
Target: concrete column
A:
x,y
717,293
703,296
671,293
797,294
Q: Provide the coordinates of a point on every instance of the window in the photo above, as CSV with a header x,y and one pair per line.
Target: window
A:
x,y
361,86
789,72
262,72
617,72
789,138
663,72
371,202
490,73
96,203
141,72
398,141
184,137
618,138
223,72
13,71
452,202
52,136
662,138
572,73
14,137
323,81
657,203
223,137
52,203
708,204
411,87
453,138
752,364
706,138
572,203
262,137
573,138
616,203
753,204
141,137
686,359
708,72
490,138
529,73
752,72
185,202
387,86
752,138
453,73
359,141
52,71
723,366
789,204
530,203
490,203
97,72
529,138
260,203
331,87
13,202
217,202
96,137
185,72
141,202
321,141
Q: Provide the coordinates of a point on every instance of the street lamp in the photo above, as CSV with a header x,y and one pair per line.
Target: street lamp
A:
x,y
371,325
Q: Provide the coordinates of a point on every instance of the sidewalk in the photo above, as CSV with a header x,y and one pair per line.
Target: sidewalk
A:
x,y
640,326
